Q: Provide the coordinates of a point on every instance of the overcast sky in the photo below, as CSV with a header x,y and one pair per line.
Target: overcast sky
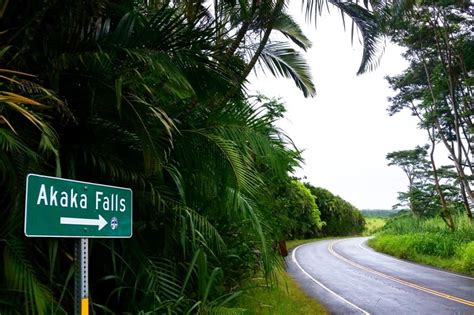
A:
x,y
345,130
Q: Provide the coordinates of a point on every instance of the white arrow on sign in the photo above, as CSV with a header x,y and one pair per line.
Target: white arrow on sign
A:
x,y
100,222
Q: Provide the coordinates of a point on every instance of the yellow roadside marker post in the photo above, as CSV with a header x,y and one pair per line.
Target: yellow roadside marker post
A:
x,y
81,274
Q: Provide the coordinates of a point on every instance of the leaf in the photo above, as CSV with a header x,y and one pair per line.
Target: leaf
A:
x,y
288,27
283,60
365,21
368,26
20,275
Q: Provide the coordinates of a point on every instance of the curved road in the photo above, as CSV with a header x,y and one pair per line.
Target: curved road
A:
x,y
350,278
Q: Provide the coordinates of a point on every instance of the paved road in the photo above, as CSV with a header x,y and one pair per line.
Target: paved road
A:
x,y
350,278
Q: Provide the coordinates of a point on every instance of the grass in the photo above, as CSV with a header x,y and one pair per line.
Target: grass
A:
x,y
284,298
430,242
373,225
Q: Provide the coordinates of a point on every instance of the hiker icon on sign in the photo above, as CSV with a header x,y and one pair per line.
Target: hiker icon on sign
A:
x,y
114,223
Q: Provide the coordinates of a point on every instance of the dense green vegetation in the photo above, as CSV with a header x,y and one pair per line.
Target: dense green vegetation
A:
x,y
298,216
340,217
429,241
150,95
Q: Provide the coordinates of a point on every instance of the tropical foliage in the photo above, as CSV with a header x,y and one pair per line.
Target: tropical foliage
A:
x,y
296,215
149,95
340,217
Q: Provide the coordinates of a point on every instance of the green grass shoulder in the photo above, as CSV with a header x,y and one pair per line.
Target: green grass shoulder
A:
x,y
429,242
285,297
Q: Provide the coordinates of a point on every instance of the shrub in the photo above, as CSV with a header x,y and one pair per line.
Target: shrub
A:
x,y
466,254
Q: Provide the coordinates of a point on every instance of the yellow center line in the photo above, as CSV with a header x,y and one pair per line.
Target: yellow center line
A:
x,y
406,283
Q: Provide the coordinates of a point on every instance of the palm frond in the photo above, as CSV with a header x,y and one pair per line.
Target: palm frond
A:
x,y
20,103
202,232
369,28
240,166
262,144
363,18
285,24
161,278
21,275
282,60
270,261
11,142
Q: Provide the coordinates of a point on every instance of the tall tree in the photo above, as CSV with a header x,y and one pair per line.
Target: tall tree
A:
x,y
437,86
417,169
414,165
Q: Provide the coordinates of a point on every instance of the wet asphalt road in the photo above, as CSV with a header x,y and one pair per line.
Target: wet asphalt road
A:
x,y
350,278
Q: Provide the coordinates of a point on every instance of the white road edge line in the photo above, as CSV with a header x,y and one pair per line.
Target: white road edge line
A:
x,y
410,263
293,256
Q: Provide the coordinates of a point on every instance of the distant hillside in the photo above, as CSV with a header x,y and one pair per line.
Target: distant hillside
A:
x,y
378,213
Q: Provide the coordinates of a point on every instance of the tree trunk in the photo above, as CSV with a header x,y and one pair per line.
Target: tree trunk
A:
x,y
459,167
242,31
465,202
263,42
258,52
447,218
446,213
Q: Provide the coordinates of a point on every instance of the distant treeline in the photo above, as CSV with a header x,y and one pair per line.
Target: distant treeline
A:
x,y
305,211
379,213
339,216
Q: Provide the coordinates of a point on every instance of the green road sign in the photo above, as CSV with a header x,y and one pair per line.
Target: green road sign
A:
x,y
57,207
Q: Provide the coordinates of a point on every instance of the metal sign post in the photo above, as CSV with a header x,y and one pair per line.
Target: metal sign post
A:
x,y
81,275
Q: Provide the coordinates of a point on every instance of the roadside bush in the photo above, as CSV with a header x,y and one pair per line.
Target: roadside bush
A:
x,y
466,254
